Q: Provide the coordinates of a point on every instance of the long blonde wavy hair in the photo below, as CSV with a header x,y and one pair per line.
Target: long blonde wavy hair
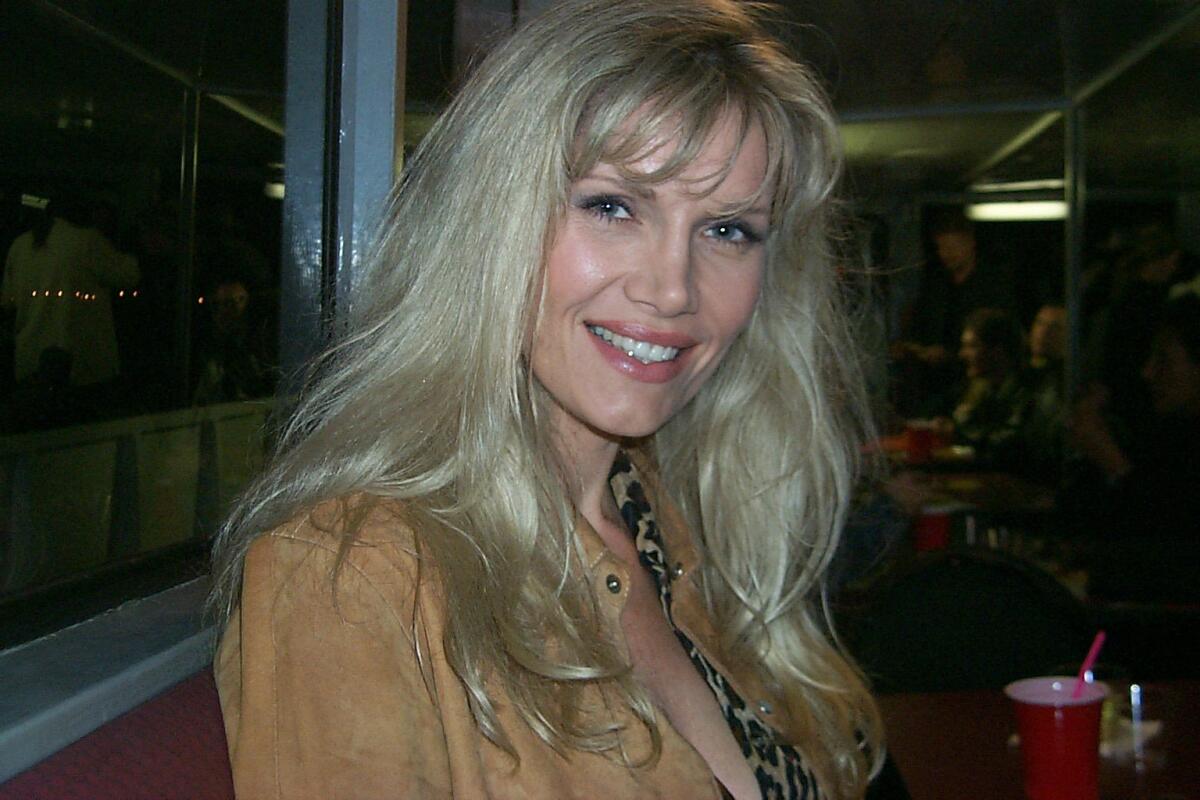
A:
x,y
426,398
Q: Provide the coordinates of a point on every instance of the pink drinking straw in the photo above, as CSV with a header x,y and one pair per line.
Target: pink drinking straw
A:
x,y
1088,663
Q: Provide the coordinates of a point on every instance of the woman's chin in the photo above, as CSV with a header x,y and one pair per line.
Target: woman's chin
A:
x,y
627,428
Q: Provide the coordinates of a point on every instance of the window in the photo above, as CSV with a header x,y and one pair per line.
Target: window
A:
x,y
141,174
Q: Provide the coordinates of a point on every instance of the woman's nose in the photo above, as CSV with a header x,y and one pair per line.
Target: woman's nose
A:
x,y
664,278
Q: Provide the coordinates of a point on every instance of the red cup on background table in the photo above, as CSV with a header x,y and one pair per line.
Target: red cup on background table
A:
x,y
931,528
921,438
1060,736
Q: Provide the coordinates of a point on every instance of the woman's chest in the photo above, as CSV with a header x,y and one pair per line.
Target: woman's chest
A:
x,y
664,668
659,661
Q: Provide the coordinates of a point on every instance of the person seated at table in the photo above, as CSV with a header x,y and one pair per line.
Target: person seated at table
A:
x,y
553,519
993,403
1156,263
1048,339
1041,428
1148,506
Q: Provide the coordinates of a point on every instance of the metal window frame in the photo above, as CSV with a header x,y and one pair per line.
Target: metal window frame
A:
x,y
344,117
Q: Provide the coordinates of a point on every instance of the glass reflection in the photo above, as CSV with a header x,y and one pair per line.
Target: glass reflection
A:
x,y
137,345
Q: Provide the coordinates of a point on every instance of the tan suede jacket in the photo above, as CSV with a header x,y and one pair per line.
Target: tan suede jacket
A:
x,y
325,700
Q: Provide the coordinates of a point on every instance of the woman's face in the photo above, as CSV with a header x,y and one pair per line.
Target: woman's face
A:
x,y
971,353
1048,334
647,286
980,360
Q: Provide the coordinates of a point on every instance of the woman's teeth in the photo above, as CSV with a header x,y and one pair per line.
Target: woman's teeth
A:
x,y
643,351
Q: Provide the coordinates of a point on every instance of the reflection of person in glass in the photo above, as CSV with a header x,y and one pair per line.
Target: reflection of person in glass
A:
x,y
552,521
58,280
230,361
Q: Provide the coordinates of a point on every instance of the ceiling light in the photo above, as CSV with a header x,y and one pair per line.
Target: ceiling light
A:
x,y
273,190
1043,185
1014,211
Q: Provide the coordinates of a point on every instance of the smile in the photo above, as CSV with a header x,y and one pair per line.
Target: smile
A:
x,y
644,352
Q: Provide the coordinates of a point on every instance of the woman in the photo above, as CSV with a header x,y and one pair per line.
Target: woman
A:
x,y
552,520
992,409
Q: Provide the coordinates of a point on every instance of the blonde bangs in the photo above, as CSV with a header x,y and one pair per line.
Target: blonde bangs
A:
x,y
634,118
678,105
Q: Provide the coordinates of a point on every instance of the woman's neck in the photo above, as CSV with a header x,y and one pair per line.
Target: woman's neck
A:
x,y
587,459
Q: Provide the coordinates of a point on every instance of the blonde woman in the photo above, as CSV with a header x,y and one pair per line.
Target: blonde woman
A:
x,y
552,519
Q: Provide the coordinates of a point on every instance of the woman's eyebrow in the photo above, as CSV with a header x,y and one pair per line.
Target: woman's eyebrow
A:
x,y
646,191
641,190
737,208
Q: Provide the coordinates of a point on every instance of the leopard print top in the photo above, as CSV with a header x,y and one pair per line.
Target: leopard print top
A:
x,y
778,767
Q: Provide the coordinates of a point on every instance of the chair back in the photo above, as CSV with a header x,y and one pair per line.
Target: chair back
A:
x,y
967,620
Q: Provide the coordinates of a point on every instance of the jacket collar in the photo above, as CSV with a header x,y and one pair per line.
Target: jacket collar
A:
x,y
676,535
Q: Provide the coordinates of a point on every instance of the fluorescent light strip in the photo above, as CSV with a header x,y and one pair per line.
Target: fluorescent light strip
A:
x,y
1045,184
1018,211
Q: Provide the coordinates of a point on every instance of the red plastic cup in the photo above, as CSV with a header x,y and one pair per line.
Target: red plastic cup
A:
x,y
1060,736
919,440
931,529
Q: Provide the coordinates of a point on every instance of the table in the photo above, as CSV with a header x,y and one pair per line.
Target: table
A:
x,y
992,492
954,745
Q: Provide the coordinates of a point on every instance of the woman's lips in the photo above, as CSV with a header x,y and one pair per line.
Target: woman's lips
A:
x,y
655,371
643,333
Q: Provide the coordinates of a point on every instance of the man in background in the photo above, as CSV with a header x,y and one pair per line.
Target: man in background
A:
x,y
957,285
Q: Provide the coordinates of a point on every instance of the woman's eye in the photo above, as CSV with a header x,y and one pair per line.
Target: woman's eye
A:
x,y
732,233
607,207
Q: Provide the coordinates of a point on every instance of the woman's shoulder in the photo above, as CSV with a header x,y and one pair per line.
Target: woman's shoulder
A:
x,y
361,517
323,668
357,537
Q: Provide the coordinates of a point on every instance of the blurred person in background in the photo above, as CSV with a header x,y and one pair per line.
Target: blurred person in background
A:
x,y
1048,339
993,403
959,283
231,356
1041,431
1155,263
1145,505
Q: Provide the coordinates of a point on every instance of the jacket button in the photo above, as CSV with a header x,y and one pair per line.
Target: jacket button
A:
x,y
677,570
764,707
613,583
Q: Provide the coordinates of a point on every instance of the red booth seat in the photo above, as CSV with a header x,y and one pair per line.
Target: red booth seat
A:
x,y
171,747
